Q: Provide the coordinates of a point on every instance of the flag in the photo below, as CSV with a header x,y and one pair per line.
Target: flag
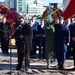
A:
x,y
3,9
65,4
12,15
70,9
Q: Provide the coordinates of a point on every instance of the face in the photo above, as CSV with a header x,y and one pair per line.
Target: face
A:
x,y
73,19
42,22
33,19
68,21
57,21
31,22
21,21
61,21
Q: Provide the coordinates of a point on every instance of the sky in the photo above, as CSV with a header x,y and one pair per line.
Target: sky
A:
x,y
2,0
46,2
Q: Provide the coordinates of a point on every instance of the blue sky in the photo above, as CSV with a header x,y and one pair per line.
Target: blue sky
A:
x,y
46,2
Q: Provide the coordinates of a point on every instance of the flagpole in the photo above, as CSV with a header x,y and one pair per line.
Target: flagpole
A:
x,y
57,9
54,11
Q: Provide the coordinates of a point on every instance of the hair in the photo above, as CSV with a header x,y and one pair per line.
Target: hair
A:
x,y
21,17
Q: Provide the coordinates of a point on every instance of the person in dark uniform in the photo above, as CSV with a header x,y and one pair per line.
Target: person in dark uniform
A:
x,y
34,26
5,31
72,35
23,36
69,51
40,37
62,40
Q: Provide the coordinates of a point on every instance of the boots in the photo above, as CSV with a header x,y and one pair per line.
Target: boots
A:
x,y
60,65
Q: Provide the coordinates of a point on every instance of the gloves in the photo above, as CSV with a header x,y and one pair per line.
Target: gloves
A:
x,y
21,37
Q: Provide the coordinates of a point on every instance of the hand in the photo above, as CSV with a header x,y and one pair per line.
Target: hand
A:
x,y
21,37
10,37
68,44
5,32
73,38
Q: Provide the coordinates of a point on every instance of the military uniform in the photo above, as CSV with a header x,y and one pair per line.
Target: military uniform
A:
x,y
34,41
72,43
62,37
40,37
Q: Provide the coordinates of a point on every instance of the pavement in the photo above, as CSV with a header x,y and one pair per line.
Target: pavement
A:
x,y
8,64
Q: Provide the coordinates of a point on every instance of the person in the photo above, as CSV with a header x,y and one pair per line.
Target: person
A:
x,y
69,51
72,35
57,21
23,36
50,40
34,26
0,27
62,40
5,31
40,37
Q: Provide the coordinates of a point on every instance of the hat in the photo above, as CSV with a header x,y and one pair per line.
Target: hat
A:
x,y
61,18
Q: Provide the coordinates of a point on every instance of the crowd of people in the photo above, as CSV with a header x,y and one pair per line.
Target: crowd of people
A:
x,y
30,35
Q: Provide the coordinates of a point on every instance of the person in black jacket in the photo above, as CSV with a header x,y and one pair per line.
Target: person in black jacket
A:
x,y
5,31
23,36
34,25
40,37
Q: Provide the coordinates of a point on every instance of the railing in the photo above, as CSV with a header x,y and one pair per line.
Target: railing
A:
x,y
10,46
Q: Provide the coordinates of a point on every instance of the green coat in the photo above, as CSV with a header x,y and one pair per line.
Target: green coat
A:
x,y
50,37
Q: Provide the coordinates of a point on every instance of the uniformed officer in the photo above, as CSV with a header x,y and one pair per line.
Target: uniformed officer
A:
x,y
72,35
40,37
62,40
34,26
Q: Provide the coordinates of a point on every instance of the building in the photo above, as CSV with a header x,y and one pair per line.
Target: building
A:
x,y
29,7
8,3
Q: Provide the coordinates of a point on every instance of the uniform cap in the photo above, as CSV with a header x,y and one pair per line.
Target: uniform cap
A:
x,y
61,18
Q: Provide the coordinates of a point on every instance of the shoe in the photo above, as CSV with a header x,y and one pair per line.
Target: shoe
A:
x,y
73,68
28,71
18,69
6,52
61,68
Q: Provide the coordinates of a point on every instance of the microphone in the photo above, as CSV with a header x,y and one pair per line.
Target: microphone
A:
x,y
19,27
14,31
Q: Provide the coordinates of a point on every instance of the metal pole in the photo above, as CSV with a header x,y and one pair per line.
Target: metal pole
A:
x,y
27,8
24,57
10,72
